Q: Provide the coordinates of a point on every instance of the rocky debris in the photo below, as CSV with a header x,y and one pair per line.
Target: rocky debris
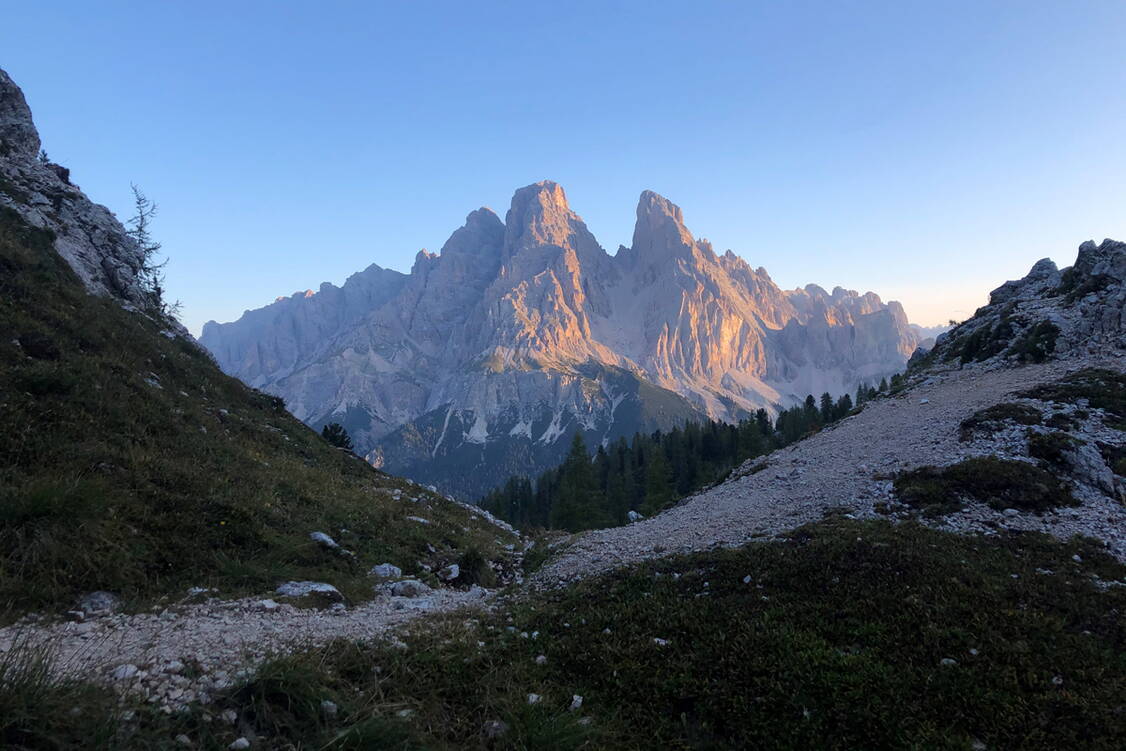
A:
x,y
97,604
850,466
386,571
634,516
449,573
304,589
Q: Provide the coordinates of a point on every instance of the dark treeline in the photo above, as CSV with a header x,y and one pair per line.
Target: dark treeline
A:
x,y
652,472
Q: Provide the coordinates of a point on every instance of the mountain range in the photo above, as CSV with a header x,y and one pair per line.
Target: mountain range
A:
x,y
486,358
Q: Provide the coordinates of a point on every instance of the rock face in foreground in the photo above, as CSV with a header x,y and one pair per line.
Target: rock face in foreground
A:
x,y
1049,314
87,235
489,356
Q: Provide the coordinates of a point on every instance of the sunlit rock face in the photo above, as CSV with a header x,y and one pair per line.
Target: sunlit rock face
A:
x,y
487,357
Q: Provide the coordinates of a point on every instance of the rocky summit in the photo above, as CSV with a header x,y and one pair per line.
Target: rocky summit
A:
x,y
486,358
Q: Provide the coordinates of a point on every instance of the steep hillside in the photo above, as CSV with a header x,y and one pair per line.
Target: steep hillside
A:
x,y
490,356
132,464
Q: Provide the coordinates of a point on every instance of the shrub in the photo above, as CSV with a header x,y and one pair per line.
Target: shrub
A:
x,y
1051,448
1037,343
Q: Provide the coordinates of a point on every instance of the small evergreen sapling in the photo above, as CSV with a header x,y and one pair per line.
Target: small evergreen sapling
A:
x,y
336,435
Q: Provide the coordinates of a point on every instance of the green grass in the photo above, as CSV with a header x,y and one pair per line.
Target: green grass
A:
x,y
1000,483
132,464
991,419
836,641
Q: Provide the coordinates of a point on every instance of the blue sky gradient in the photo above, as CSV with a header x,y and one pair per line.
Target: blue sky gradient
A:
x,y
924,150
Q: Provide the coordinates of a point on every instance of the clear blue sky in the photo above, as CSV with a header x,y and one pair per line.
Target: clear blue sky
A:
x,y
924,150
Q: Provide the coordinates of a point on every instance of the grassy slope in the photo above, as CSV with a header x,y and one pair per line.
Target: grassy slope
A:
x,y
837,641
132,464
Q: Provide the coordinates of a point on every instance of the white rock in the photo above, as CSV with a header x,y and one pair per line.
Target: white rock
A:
x,y
449,573
125,672
303,589
576,703
534,698
329,708
240,743
660,642
386,571
634,516
323,539
541,659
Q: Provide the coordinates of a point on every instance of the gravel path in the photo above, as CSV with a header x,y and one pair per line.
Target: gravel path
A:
x,y
186,652
847,465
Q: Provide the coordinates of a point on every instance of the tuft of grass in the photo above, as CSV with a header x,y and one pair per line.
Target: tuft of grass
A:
x,y
1000,483
834,637
990,419
133,465
41,711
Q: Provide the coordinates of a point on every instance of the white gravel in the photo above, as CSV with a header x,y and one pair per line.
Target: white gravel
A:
x,y
187,651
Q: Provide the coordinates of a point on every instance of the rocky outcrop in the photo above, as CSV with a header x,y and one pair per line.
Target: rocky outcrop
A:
x,y
1048,314
87,235
489,355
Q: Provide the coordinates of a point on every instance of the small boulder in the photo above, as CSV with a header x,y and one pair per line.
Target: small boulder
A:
x,y
266,606
634,516
449,573
322,539
125,672
238,744
386,571
576,703
329,708
304,589
99,603
409,588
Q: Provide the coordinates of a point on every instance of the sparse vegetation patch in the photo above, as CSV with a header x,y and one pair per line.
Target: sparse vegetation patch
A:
x,y
1099,387
1000,483
991,419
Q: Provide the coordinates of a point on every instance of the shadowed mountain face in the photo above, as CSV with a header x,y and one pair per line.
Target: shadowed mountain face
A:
x,y
487,357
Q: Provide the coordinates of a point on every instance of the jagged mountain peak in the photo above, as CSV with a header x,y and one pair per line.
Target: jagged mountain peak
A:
x,y
502,345
659,233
